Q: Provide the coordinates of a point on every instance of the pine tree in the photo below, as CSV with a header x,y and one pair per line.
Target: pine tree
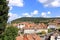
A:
x,y
3,15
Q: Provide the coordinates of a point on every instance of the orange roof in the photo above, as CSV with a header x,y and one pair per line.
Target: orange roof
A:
x,y
33,25
41,26
19,38
29,37
25,37
37,37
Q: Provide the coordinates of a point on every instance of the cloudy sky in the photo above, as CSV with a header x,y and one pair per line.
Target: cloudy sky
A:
x,y
33,8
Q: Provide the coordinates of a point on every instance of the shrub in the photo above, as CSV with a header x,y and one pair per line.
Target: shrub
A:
x,y
10,33
43,32
49,30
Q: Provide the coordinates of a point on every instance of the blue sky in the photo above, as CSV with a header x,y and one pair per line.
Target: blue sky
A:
x,y
33,8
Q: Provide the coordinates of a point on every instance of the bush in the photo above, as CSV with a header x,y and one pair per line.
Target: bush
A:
x,y
43,32
49,30
10,33
39,33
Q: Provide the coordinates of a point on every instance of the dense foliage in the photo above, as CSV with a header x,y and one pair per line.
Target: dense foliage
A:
x,y
10,33
3,14
35,20
49,30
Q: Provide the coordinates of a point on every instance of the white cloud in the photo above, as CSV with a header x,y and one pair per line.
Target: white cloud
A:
x,y
35,12
56,3
18,3
50,3
31,14
45,14
48,12
42,1
10,8
57,16
12,16
26,15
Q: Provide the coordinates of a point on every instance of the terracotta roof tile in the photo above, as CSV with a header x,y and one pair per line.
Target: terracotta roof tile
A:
x,y
19,38
36,37
29,37
33,25
25,37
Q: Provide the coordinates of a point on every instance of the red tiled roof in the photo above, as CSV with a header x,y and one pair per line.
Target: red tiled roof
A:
x,y
41,26
25,37
19,38
29,37
33,25
36,37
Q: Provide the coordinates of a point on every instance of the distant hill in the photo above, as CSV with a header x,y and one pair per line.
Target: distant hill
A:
x,y
34,19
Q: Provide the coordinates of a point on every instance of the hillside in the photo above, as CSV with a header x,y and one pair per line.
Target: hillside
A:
x,y
34,19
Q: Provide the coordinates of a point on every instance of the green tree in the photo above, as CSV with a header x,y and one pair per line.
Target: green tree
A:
x,y
49,30
3,15
39,33
43,32
10,33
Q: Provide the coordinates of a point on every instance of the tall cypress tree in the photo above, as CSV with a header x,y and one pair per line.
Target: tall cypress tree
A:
x,y
3,15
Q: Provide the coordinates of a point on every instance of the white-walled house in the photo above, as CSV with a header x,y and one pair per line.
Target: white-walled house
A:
x,y
29,28
29,31
21,26
58,37
52,25
36,29
40,30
